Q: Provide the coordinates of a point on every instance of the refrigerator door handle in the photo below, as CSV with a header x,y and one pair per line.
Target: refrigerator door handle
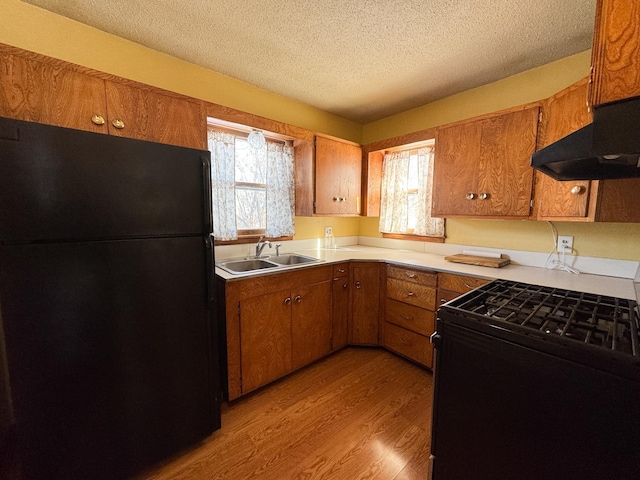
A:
x,y
211,268
206,180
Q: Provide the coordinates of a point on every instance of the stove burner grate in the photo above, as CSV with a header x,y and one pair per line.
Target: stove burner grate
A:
x,y
597,320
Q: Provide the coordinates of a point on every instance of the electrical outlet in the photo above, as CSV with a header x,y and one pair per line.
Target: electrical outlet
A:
x,y
328,231
565,244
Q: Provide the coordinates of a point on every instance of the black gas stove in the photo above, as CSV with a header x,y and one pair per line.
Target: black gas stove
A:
x,y
583,326
534,382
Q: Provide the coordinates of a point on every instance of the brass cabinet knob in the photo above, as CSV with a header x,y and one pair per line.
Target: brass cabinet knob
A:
x,y
577,189
358,285
97,119
483,196
298,299
287,301
471,196
345,285
339,199
119,124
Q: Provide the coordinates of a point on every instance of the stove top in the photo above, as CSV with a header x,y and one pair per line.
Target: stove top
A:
x,y
557,315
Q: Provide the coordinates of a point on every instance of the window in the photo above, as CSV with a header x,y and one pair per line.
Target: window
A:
x,y
252,188
407,183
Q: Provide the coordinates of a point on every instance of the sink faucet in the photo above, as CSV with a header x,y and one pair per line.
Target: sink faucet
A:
x,y
260,246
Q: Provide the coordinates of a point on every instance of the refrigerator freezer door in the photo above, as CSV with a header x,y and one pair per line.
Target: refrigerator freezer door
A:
x,y
59,184
109,353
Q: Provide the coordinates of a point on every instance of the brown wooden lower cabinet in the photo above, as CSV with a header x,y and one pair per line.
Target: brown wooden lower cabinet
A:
x,y
410,313
276,324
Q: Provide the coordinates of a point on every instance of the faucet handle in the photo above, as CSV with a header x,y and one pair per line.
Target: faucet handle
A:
x,y
278,249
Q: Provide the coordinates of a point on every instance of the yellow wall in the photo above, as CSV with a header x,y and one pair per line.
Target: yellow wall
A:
x,y
38,30
31,28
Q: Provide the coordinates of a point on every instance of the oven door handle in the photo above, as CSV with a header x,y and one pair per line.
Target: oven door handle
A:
x,y
435,340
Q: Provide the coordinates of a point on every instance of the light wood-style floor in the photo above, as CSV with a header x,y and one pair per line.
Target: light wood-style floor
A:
x,y
359,414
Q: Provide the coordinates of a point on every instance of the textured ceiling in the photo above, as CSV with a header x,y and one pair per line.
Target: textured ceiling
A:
x,y
360,59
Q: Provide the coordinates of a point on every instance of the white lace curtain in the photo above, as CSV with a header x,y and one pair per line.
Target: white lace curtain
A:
x,y
280,191
280,199
394,203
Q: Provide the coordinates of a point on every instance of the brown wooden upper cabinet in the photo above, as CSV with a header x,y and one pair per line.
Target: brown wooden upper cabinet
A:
x,y
39,89
581,201
328,177
482,166
616,51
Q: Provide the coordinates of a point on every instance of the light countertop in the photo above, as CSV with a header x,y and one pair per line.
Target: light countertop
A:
x,y
599,284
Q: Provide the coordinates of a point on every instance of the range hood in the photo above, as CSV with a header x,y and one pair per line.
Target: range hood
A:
x,y
607,148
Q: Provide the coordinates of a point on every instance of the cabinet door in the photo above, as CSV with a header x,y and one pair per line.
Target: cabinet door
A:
x,y
505,176
50,94
616,51
310,323
562,114
340,309
366,303
151,115
455,165
338,177
265,330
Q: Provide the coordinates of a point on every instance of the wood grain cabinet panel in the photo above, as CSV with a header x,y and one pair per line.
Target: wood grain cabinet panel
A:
x,y
563,114
310,323
581,201
50,93
328,177
410,313
409,344
276,324
340,287
154,116
616,51
365,302
265,330
482,166
460,283
41,89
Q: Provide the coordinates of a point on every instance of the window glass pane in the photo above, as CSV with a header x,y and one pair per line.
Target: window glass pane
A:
x,y
251,208
251,164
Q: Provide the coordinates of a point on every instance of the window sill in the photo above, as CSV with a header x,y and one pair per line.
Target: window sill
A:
x,y
249,239
415,238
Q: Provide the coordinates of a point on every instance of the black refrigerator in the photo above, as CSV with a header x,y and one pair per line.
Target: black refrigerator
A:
x,y
109,341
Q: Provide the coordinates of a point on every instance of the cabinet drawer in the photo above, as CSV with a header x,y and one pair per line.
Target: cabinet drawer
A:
x,y
445,295
407,292
459,283
340,270
408,344
429,279
410,317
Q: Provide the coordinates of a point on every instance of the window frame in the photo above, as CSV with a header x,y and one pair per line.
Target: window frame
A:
x,y
242,131
409,235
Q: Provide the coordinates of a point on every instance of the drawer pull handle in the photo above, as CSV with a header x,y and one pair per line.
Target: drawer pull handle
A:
x,y
119,124
411,275
410,294
341,270
406,317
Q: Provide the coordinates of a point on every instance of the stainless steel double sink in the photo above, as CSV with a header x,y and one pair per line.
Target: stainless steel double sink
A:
x,y
238,266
